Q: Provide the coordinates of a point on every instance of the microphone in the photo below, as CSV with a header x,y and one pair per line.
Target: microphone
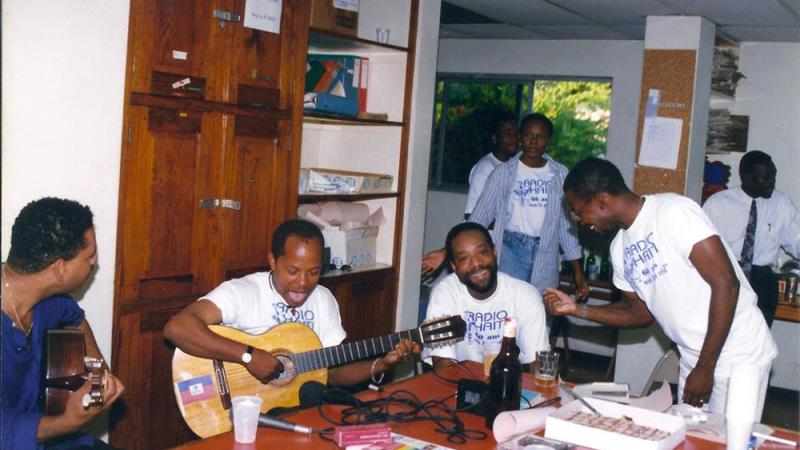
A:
x,y
272,422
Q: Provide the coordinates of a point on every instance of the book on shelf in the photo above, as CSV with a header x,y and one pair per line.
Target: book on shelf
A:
x,y
332,84
363,83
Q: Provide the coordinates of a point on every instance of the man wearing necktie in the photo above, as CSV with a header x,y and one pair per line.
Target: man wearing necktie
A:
x,y
756,221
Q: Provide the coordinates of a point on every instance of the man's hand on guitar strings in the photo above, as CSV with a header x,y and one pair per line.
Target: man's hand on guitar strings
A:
x,y
264,367
76,416
400,352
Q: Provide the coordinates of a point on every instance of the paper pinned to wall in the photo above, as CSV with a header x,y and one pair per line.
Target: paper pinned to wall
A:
x,y
661,140
263,15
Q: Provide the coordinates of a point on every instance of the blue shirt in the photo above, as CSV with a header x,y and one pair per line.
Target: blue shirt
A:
x,y
22,371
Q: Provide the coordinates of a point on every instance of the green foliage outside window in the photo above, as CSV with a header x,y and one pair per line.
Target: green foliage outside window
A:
x,y
579,111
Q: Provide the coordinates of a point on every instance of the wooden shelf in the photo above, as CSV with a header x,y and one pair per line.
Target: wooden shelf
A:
x,y
599,289
592,283
332,119
787,312
344,275
314,198
331,40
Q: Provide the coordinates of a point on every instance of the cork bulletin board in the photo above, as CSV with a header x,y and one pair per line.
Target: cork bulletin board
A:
x,y
673,73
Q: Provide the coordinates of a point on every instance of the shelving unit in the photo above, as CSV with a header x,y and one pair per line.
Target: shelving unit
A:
x,y
369,145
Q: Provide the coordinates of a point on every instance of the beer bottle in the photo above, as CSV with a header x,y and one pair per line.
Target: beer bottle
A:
x,y
592,269
505,377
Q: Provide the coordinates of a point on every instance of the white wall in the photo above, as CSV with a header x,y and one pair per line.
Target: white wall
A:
x,y
63,83
418,160
770,95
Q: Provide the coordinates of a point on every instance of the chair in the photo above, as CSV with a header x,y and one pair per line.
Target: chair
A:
x,y
667,368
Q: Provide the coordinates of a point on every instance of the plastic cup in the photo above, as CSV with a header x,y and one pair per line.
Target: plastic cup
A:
x,y
246,409
740,406
545,368
382,35
490,351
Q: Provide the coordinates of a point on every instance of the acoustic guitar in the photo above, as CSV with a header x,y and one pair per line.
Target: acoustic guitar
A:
x,y
204,387
67,368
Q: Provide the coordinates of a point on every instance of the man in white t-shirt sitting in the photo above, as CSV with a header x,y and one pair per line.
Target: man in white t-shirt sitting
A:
x,y
671,266
257,302
484,297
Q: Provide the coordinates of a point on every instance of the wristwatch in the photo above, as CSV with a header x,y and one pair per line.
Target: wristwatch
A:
x,y
247,356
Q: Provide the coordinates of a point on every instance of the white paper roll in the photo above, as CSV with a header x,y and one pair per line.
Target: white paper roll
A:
x,y
742,399
509,423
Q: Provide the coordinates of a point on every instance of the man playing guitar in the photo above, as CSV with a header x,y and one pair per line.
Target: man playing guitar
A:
x,y
53,251
260,301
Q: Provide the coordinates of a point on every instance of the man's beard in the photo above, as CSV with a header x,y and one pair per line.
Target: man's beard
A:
x,y
490,284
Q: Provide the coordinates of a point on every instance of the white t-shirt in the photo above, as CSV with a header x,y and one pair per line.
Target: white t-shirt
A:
x,y
484,318
529,199
477,179
777,225
252,304
652,259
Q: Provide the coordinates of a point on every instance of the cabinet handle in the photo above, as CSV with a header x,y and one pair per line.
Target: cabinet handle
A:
x,y
226,16
221,203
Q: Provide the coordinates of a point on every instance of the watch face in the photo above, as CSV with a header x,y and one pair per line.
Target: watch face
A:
x,y
247,357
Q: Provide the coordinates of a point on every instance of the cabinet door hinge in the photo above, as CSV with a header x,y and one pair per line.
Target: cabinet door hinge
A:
x,y
133,65
291,138
129,133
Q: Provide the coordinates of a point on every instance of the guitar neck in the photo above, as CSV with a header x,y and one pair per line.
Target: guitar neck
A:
x,y
352,351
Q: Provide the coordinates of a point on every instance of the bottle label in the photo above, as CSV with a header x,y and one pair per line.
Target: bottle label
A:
x,y
510,327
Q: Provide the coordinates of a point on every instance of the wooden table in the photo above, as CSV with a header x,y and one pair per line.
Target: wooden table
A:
x,y
425,386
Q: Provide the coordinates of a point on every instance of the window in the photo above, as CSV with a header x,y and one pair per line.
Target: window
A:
x,y
464,107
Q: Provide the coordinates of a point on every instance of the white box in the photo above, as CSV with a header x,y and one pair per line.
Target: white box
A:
x,y
354,247
563,430
329,181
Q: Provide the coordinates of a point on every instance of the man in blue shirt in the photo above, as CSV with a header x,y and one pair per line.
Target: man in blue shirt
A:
x,y
53,251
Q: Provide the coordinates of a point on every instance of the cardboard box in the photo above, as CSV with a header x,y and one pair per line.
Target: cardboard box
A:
x,y
354,247
558,428
328,181
326,16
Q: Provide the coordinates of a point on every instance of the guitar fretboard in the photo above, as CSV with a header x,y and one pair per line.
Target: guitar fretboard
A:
x,y
351,351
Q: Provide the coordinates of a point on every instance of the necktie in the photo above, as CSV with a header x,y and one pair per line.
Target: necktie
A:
x,y
749,239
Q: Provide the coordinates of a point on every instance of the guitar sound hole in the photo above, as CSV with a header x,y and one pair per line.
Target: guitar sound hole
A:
x,y
288,374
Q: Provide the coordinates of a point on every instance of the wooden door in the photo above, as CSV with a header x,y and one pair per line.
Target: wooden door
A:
x,y
207,172
173,48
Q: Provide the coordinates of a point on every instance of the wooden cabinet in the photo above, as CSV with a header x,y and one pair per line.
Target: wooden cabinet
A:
x,y
209,167
368,297
364,300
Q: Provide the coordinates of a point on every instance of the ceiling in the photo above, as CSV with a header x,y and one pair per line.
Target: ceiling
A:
x,y
735,20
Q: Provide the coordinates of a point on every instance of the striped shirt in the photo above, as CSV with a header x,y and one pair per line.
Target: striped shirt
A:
x,y
558,227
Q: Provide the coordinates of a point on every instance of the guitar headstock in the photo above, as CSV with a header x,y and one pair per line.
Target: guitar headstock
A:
x,y
442,330
96,376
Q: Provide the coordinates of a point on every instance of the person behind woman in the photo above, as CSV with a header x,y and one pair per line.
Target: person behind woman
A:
x,y
505,139
524,198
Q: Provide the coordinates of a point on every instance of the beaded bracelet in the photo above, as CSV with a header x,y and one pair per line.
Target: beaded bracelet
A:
x,y
372,372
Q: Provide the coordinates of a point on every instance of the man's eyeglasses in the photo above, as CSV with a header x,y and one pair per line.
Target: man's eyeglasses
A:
x,y
576,214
